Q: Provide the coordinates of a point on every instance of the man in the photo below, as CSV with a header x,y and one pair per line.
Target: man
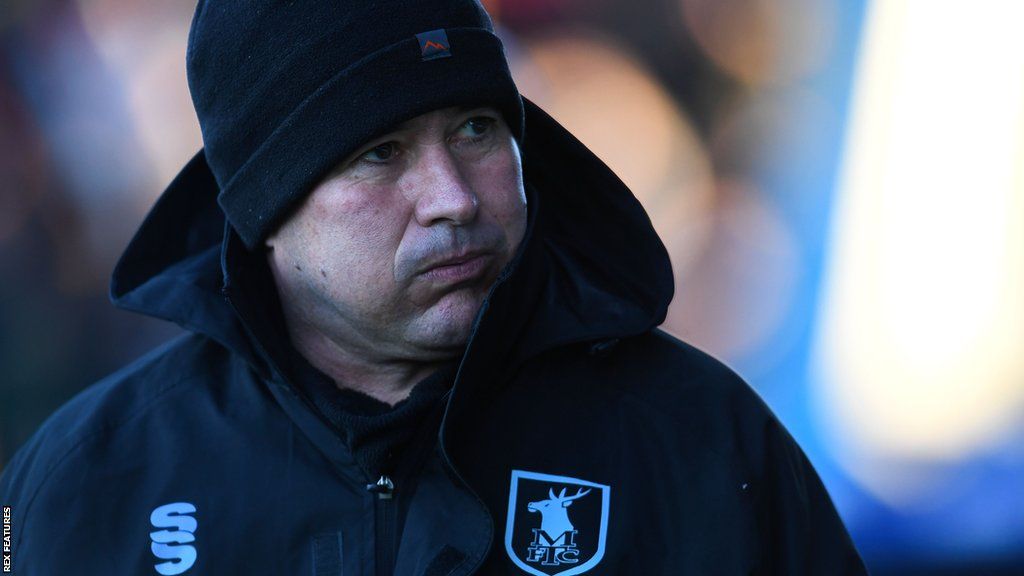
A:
x,y
422,342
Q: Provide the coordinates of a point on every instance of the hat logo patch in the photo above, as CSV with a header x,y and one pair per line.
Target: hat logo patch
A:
x,y
434,44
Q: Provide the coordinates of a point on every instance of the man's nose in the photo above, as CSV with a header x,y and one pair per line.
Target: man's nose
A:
x,y
441,191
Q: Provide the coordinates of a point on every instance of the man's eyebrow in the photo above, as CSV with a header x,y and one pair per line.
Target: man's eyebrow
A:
x,y
458,110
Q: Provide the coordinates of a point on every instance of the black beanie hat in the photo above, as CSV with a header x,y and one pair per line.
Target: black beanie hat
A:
x,y
286,90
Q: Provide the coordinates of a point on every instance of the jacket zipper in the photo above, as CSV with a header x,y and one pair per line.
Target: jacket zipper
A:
x,y
445,458
384,524
383,489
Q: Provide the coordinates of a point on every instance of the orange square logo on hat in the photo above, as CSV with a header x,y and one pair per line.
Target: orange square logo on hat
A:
x,y
434,44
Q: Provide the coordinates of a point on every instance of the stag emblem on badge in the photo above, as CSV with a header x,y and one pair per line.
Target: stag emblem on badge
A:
x,y
557,545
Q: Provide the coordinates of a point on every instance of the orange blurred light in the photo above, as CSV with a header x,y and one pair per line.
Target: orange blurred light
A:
x,y
763,41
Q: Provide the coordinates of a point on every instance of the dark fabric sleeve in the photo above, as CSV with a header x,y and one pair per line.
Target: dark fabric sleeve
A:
x,y
20,484
803,532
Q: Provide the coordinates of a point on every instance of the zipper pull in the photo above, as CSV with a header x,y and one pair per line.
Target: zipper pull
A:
x,y
384,488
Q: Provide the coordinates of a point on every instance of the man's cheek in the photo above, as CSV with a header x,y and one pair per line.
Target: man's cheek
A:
x,y
513,219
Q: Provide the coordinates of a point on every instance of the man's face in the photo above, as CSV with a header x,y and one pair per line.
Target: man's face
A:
x,y
392,254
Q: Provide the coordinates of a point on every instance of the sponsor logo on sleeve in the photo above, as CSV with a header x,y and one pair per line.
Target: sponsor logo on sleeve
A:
x,y
173,545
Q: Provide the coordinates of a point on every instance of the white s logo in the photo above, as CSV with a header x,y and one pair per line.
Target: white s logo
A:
x,y
173,516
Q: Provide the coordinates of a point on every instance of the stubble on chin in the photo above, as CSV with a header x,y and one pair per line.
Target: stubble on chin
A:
x,y
446,326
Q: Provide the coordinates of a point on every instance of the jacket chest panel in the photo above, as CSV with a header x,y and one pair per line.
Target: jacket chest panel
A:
x,y
568,481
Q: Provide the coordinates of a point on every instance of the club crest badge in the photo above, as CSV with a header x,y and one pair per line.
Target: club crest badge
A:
x,y
556,524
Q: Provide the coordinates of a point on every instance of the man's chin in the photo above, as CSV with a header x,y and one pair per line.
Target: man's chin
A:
x,y
447,325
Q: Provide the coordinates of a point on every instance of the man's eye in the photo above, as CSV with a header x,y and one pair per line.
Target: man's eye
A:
x,y
380,154
478,126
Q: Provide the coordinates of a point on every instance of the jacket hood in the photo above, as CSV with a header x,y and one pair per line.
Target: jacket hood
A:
x,y
591,266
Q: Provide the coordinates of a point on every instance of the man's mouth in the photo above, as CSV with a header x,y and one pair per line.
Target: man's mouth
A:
x,y
458,269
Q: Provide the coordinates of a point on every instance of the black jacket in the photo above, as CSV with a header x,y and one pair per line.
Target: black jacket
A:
x,y
577,438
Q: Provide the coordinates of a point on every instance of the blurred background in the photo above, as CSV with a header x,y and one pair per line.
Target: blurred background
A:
x,y
840,184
